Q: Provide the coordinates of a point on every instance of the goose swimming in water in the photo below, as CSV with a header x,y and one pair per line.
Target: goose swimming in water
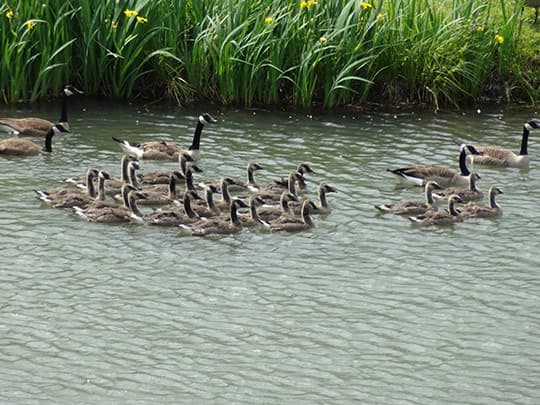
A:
x,y
25,147
253,219
114,214
37,126
502,157
302,168
291,224
420,174
175,217
162,150
219,225
474,210
58,196
162,176
466,194
323,208
270,213
440,217
412,207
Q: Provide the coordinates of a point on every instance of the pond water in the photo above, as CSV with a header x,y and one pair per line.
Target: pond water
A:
x,y
363,308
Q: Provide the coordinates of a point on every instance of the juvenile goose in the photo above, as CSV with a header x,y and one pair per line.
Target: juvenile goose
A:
x,y
499,156
161,176
273,212
162,150
59,194
466,194
37,126
158,195
80,181
253,219
82,199
174,217
225,202
208,208
412,207
219,225
323,208
302,168
440,217
239,185
291,224
445,177
272,191
25,147
472,210
114,213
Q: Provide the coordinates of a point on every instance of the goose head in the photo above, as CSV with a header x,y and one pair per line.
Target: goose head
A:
x,y
327,188
533,123
468,148
433,185
206,118
253,166
304,168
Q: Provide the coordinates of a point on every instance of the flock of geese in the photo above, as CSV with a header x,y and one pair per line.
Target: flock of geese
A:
x,y
444,184
171,197
280,205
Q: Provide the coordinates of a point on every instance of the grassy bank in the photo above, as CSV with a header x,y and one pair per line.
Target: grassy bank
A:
x,y
301,53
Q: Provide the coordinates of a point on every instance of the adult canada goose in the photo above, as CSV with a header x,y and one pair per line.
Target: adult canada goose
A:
x,y
473,210
114,214
174,217
162,150
253,219
420,174
440,217
37,126
273,212
291,224
61,194
323,208
412,207
25,147
470,193
219,225
499,156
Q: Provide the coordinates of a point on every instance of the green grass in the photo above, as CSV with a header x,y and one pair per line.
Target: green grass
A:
x,y
329,53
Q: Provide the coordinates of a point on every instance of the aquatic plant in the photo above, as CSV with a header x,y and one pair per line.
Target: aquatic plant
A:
x,y
327,52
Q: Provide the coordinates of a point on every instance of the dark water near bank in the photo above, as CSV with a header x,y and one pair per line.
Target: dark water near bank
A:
x,y
362,309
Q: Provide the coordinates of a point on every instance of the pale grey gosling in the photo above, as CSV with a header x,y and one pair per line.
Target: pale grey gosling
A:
x,y
420,174
440,217
31,126
499,156
472,210
25,147
413,207
162,150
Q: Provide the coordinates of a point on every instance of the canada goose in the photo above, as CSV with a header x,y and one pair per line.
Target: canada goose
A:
x,y
114,214
174,217
291,224
239,185
208,208
470,193
253,219
157,195
302,168
273,212
38,126
162,150
322,208
60,194
440,217
82,199
161,176
499,156
224,203
445,177
19,146
472,210
412,207
219,225
272,191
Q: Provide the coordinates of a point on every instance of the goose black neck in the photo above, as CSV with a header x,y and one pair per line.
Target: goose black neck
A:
x,y
187,206
305,214
133,206
492,202
250,176
172,186
63,112
225,192
452,208
48,141
463,163
125,196
234,215
90,184
322,197
429,195
524,141
209,197
189,181
472,184
196,143
124,169
291,184
284,202
101,189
